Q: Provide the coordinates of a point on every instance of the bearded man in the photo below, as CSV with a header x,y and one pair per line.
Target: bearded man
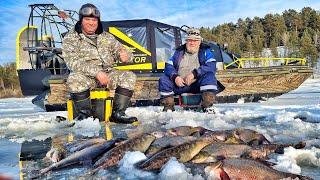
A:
x,y
191,69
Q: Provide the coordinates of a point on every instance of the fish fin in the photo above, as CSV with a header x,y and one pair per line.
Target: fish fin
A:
x,y
218,165
196,134
245,155
263,139
223,174
220,158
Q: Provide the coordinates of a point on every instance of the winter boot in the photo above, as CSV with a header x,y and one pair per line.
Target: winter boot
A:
x,y
208,99
82,104
121,102
168,103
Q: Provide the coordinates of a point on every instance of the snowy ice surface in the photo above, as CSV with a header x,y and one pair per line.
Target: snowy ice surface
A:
x,y
289,118
292,159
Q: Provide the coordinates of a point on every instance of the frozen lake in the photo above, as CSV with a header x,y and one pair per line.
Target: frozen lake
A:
x,y
289,118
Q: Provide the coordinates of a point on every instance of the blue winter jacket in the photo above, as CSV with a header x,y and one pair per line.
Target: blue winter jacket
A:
x,y
206,59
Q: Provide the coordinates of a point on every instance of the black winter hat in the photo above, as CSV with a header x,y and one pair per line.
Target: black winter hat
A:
x,y
89,10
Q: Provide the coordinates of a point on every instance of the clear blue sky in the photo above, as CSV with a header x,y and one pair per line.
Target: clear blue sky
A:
x,y
207,13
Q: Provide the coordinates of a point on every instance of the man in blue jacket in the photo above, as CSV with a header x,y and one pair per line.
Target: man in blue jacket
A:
x,y
191,69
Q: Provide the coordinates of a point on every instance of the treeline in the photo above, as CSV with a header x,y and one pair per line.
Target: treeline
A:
x,y
9,82
298,32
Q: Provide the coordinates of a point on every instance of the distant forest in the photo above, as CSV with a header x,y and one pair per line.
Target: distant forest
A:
x,y
9,83
299,32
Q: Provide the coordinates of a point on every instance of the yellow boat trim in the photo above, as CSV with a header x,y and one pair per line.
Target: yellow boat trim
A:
x,y
18,44
127,39
239,61
161,65
145,66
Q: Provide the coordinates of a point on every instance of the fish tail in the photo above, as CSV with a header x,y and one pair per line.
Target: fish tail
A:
x,y
264,139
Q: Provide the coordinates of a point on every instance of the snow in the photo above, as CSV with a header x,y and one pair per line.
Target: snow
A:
x,y
292,159
173,170
128,170
289,118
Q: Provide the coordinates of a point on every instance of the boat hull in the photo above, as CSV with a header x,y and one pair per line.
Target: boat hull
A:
x,y
250,85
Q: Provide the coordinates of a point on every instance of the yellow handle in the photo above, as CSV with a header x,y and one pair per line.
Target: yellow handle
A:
x,y
70,110
108,110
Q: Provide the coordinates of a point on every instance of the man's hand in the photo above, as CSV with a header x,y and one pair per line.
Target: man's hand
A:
x,y
103,78
124,57
189,79
179,81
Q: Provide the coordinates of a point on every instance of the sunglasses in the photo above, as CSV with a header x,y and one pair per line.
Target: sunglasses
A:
x,y
90,11
193,33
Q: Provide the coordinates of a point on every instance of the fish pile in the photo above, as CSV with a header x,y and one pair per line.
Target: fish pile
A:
x,y
226,154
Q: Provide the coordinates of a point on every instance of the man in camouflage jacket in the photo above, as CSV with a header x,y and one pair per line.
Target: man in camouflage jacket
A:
x,y
90,53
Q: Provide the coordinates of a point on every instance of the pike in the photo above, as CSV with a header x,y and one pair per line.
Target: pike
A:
x,y
86,144
167,142
112,157
183,153
83,156
60,151
247,169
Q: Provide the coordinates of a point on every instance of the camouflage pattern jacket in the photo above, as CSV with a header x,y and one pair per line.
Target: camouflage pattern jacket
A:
x,y
82,55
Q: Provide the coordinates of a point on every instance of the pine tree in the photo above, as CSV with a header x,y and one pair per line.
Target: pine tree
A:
x,y
296,31
248,46
292,20
308,48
